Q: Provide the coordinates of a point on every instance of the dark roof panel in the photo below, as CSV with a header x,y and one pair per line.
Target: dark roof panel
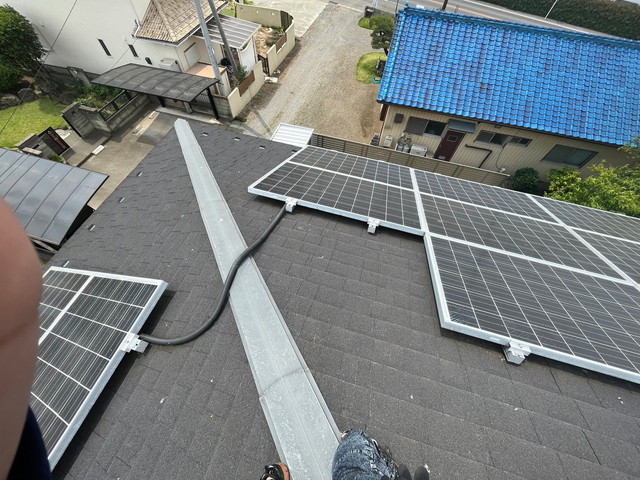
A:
x,y
156,81
46,196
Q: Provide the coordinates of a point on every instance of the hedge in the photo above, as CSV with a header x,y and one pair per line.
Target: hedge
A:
x,y
615,18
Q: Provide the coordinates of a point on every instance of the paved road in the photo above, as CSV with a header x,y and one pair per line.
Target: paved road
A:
x,y
467,7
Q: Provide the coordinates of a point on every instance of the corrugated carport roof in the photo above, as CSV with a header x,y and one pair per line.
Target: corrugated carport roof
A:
x,y
237,31
46,196
156,81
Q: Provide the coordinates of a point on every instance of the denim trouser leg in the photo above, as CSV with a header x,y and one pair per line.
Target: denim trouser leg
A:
x,y
358,458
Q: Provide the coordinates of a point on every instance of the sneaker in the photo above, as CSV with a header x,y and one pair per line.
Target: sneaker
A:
x,y
422,473
403,473
276,471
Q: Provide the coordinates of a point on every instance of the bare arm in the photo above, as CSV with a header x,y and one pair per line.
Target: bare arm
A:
x,y
20,289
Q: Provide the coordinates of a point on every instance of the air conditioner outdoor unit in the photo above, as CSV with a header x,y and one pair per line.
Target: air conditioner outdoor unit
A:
x,y
169,64
388,140
418,150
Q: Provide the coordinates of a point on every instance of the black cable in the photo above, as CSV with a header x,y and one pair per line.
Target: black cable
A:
x,y
224,297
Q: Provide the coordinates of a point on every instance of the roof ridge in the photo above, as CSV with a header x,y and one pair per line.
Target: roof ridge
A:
x,y
163,17
506,25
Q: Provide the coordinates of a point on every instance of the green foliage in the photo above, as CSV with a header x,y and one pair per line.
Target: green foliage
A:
x,y
632,149
526,180
56,158
97,95
616,189
241,74
382,26
615,18
365,22
9,76
19,44
366,68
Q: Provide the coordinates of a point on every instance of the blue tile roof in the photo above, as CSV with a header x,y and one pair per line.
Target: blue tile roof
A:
x,y
556,81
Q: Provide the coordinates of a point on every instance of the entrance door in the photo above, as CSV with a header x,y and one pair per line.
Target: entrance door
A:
x,y
449,145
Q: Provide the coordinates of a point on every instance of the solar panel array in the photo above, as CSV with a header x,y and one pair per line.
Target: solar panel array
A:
x,y
86,319
561,279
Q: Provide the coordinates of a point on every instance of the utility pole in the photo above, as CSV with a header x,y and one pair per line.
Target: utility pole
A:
x,y
444,5
207,42
227,48
554,4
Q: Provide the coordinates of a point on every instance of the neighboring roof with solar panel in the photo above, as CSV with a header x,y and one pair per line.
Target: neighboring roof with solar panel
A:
x,y
86,324
155,81
46,196
550,80
237,31
505,266
362,312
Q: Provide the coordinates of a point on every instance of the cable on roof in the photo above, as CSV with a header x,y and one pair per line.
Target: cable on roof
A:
x,y
224,297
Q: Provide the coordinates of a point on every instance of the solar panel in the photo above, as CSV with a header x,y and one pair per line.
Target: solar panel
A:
x,y
625,254
593,219
354,165
342,194
512,233
479,194
572,317
86,324
507,267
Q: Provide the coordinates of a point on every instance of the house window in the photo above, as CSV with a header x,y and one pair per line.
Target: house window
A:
x,y
104,47
486,136
523,142
133,51
569,155
422,126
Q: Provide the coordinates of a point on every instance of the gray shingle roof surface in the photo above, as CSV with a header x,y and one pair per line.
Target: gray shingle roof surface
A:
x,y
362,312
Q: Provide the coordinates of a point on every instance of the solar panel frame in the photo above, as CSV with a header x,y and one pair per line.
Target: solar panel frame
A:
x,y
88,359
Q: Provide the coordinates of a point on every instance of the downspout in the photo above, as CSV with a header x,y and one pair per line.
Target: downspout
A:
x,y
207,42
489,152
227,48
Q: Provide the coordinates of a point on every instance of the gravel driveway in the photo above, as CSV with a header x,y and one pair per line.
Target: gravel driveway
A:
x,y
318,86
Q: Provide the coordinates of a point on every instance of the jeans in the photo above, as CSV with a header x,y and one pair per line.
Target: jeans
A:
x,y
358,458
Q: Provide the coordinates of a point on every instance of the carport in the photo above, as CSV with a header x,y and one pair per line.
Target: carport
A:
x,y
163,84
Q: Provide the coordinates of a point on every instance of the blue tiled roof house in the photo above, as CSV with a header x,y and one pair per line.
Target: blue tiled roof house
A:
x,y
502,95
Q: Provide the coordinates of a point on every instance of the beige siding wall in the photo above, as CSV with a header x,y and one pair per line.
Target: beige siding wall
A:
x,y
495,157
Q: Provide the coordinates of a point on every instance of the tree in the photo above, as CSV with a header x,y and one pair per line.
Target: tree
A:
x,y
616,189
382,26
20,48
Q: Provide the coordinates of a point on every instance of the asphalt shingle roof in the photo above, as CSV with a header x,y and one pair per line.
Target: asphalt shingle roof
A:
x,y
574,84
360,308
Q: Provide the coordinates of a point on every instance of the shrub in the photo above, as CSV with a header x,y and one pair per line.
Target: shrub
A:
x,y
526,180
9,76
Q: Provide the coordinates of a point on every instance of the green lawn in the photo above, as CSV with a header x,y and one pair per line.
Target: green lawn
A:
x,y
32,117
364,22
366,69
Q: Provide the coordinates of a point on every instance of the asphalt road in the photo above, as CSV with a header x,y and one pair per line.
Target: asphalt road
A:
x,y
467,7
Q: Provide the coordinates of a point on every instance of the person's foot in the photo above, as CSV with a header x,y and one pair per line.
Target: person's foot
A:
x,y
422,473
276,471
403,473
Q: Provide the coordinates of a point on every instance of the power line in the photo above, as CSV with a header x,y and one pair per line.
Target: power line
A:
x,y
41,65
